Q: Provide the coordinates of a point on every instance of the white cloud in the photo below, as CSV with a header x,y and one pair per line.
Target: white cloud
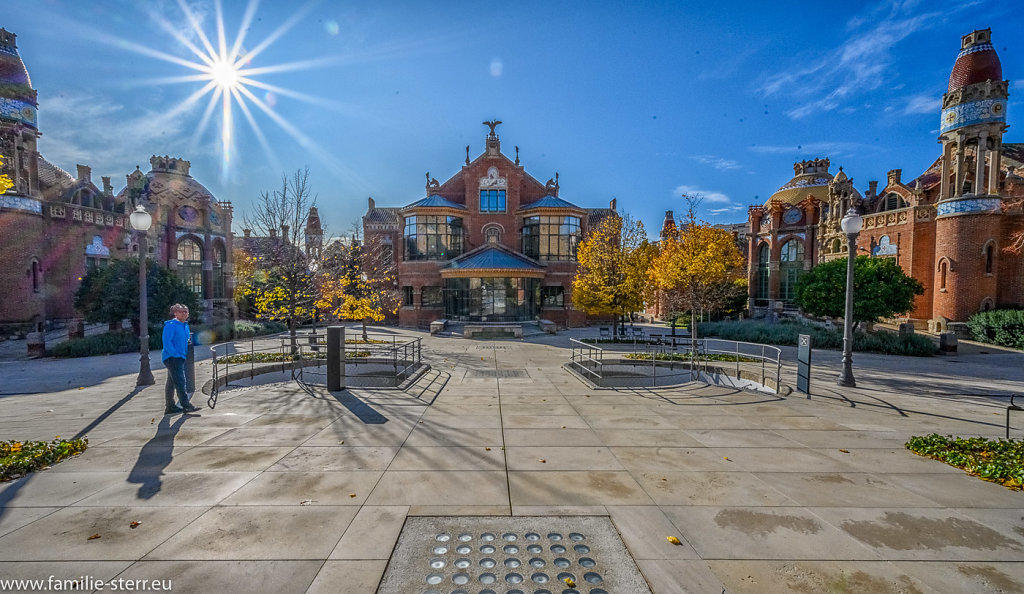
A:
x,y
729,209
927,103
708,195
860,64
497,67
93,130
817,149
719,163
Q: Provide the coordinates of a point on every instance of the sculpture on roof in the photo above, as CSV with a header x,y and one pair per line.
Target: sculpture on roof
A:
x,y
492,124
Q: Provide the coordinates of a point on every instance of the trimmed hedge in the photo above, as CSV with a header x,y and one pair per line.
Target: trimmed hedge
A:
x,y
788,332
126,341
1004,327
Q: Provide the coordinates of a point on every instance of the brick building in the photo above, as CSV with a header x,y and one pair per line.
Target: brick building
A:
x,y
947,227
490,244
55,226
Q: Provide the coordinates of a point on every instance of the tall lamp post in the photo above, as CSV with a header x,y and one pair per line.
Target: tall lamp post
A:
x,y
141,221
851,224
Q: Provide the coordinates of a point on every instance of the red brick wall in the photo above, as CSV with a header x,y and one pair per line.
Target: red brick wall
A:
x,y
21,235
961,239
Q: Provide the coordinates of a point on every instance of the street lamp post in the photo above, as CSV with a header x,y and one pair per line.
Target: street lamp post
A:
x,y
851,224
141,221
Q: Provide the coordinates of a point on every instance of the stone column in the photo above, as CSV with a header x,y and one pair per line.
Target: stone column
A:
x,y
993,168
979,168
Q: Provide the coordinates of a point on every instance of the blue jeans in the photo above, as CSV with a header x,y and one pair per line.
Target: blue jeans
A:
x,y
175,381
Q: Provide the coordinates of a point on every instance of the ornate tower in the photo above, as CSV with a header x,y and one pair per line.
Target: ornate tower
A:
x,y
968,213
314,234
841,198
18,124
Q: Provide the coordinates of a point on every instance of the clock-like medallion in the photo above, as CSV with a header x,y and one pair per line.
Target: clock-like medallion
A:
x,y
792,216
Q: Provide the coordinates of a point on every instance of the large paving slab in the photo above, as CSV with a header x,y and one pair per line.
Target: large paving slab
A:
x,y
279,489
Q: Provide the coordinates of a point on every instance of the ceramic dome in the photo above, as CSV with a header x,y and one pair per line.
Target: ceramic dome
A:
x,y
977,61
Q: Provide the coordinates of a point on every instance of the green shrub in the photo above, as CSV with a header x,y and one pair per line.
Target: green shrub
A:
x,y
108,343
249,329
788,332
999,461
22,457
1004,327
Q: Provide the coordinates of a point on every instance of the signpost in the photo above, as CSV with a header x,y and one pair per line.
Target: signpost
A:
x,y
803,365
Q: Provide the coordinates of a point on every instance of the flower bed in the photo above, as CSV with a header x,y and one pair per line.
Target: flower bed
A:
x,y
18,458
1000,461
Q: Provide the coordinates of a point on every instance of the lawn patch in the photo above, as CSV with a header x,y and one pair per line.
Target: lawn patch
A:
x,y
1000,461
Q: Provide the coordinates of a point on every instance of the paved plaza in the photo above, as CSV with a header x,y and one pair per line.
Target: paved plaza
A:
x,y
281,490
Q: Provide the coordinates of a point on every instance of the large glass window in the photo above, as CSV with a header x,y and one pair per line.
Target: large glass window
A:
x,y
762,272
552,296
791,266
551,237
433,237
190,264
491,299
492,200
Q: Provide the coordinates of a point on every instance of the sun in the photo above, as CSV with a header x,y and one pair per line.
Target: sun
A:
x,y
225,74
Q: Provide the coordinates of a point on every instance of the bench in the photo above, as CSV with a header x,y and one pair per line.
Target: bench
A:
x,y
493,331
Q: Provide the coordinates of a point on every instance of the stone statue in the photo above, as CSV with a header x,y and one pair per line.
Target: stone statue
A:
x,y
492,125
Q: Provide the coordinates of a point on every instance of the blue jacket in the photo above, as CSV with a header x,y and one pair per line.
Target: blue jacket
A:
x,y
175,339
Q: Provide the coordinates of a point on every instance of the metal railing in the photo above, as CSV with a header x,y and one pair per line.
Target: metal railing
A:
x,y
744,360
584,354
233,356
403,354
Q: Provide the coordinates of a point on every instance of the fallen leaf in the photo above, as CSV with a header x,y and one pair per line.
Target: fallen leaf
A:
x,y
543,461
673,540
487,449
134,525
153,420
845,451
726,458
94,537
569,582
306,502
563,426
341,442
351,494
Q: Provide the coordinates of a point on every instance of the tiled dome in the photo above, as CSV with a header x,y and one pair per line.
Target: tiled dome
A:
x,y
12,70
976,63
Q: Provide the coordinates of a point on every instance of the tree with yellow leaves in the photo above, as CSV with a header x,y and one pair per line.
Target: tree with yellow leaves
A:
x,y
357,282
699,268
612,272
5,181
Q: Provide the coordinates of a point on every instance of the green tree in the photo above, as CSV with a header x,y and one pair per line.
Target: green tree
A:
x,y
880,289
612,273
110,293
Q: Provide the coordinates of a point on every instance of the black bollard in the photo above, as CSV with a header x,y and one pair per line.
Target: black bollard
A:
x,y
335,358
190,365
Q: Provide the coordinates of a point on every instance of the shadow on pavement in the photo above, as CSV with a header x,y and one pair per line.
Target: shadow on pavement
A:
x,y
154,457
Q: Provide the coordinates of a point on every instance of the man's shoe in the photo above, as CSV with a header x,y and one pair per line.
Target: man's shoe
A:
x,y
191,409
172,411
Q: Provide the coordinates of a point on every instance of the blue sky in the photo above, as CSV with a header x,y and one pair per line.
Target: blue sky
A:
x,y
640,101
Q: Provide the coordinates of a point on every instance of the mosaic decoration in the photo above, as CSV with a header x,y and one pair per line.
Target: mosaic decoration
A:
x,y
885,247
981,47
214,218
188,214
973,112
16,109
792,216
957,207
96,248
19,203
804,182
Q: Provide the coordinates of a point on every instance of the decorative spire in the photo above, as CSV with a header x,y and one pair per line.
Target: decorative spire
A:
x,y
517,154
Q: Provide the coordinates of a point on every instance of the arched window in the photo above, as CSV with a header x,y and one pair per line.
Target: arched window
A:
x,y
894,201
190,264
762,271
37,274
943,268
219,279
989,255
492,235
791,266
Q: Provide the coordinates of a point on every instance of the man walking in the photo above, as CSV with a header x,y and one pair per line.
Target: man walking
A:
x,y
176,333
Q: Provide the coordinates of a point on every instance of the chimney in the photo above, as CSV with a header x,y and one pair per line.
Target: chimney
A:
x,y
612,204
84,173
872,188
371,204
247,232
284,232
273,233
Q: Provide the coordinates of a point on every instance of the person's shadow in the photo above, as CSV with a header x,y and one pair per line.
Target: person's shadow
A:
x,y
154,457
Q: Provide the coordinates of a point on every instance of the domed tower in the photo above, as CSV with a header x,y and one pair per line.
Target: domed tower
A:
x,y
968,210
18,125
